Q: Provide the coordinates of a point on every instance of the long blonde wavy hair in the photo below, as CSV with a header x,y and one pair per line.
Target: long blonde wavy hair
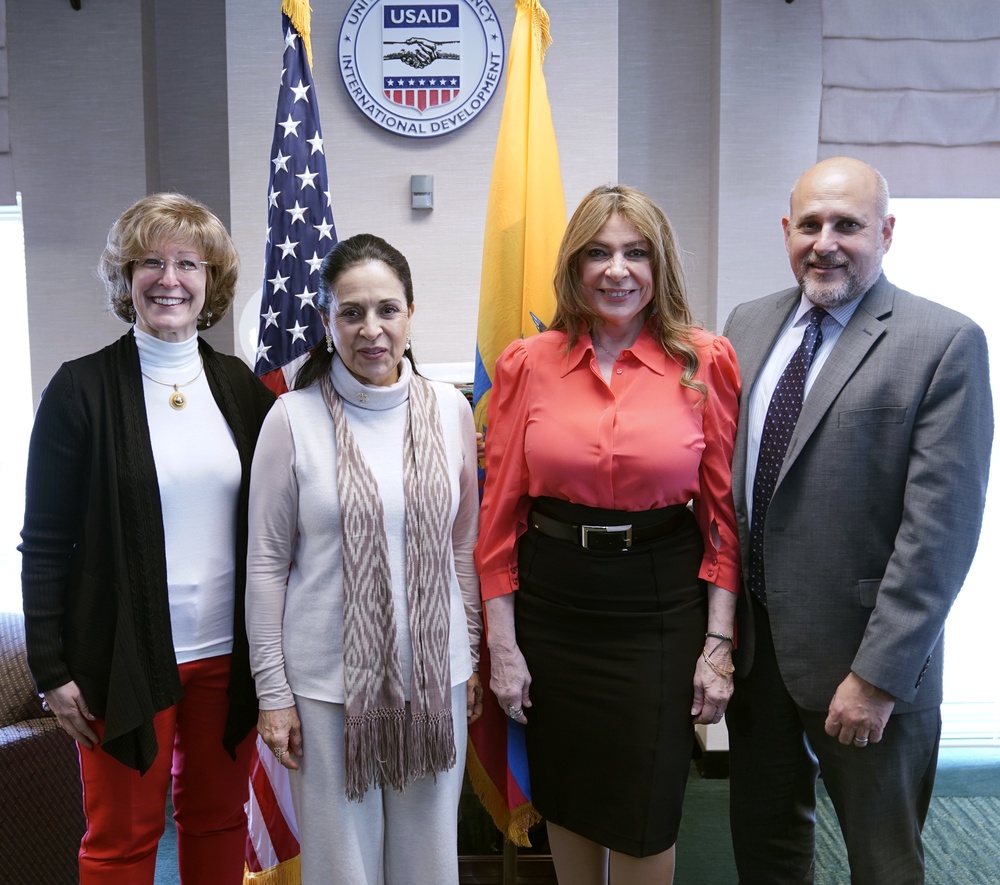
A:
x,y
668,313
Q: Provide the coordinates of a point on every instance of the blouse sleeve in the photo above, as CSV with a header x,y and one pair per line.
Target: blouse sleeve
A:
x,y
714,508
466,528
273,517
503,517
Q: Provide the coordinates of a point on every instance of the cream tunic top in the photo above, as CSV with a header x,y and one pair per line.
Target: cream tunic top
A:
x,y
294,567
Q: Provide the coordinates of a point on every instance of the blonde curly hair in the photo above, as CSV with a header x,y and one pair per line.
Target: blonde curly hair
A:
x,y
169,218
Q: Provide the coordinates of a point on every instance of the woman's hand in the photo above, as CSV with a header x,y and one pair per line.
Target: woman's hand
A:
x,y
283,734
713,674
72,714
713,682
509,676
510,681
473,698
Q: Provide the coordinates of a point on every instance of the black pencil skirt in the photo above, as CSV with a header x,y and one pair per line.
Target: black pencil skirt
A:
x,y
611,640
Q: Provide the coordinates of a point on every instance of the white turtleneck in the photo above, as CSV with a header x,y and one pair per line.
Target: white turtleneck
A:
x,y
198,472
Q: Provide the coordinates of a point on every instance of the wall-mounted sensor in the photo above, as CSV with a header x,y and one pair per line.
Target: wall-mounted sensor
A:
x,y
422,191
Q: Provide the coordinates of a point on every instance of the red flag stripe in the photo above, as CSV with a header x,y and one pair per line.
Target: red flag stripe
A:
x,y
275,381
252,861
282,838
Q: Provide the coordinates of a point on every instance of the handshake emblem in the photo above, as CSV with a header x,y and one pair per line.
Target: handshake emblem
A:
x,y
419,52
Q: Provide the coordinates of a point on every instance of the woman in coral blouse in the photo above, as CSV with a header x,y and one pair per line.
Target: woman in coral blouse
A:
x,y
601,432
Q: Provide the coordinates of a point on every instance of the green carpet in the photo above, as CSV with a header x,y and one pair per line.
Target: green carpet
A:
x,y
961,842
961,836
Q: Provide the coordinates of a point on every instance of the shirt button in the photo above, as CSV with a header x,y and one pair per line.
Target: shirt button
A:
x,y
619,371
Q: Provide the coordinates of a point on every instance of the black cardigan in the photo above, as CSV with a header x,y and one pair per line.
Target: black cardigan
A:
x,y
94,577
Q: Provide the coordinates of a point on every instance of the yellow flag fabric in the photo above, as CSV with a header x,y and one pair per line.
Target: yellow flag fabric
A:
x,y
526,214
525,221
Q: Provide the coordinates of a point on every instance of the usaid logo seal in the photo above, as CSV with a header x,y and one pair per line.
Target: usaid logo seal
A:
x,y
421,70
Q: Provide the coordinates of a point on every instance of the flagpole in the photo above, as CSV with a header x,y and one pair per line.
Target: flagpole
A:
x,y
525,220
300,231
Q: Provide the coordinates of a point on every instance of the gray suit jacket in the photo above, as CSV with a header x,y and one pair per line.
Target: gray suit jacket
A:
x,y
879,503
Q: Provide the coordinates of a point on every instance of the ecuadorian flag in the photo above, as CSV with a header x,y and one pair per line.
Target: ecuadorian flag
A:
x,y
526,213
525,220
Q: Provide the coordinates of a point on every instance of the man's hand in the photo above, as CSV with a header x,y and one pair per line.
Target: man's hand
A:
x,y
858,712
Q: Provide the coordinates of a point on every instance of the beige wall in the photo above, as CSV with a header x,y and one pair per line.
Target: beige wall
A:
x,y
706,106
370,168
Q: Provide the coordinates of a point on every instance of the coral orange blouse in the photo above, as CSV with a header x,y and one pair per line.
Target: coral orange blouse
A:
x,y
556,428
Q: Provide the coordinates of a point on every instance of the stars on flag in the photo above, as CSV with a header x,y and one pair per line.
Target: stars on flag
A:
x,y
300,226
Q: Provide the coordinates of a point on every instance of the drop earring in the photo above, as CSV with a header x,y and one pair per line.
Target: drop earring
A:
x,y
208,325
329,342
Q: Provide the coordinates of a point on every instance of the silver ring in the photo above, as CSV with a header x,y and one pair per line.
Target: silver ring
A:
x,y
278,753
514,712
861,742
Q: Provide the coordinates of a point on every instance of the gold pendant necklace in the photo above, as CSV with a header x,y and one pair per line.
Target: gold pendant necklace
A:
x,y
177,399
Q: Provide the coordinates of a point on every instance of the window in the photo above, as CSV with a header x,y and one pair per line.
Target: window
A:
x,y
941,250
18,405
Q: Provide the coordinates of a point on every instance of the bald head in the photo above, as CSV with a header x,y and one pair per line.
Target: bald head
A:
x,y
837,230
846,171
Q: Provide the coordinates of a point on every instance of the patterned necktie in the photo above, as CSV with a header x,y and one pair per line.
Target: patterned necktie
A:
x,y
782,415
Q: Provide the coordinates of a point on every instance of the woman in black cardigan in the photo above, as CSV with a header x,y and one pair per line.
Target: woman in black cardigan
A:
x,y
134,555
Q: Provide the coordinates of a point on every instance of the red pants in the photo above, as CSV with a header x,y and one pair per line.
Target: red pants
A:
x,y
125,811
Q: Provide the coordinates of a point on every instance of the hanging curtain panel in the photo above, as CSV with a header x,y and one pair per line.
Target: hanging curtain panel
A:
x,y
913,87
7,195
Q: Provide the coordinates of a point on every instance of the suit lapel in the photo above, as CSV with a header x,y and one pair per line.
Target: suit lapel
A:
x,y
758,330
858,337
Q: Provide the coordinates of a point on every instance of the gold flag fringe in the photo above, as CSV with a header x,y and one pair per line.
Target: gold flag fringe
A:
x,y
540,22
514,823
299,12
288,872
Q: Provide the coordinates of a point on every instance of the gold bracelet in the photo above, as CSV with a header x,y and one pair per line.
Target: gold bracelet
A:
x,y
714,650
725,672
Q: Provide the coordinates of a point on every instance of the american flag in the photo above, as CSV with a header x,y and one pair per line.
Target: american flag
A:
x,y
300,228
299,234
272,850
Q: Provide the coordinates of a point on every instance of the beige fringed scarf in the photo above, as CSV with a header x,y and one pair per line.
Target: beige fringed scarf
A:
x,y
382,748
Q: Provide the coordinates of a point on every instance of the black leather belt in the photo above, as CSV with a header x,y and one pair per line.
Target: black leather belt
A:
x,y
604,537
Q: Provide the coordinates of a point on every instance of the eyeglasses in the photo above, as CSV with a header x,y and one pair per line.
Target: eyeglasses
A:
x,y
181,265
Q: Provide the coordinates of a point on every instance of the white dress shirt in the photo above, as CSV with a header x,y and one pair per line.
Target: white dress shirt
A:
x,y
785,345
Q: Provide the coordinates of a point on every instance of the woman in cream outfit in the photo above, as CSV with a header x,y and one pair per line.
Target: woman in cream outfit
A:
x,y
363,602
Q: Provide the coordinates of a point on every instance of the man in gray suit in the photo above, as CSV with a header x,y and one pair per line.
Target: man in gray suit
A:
x,y
856,537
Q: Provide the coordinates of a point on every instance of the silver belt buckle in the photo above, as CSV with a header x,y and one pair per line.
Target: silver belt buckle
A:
x,y
587,530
